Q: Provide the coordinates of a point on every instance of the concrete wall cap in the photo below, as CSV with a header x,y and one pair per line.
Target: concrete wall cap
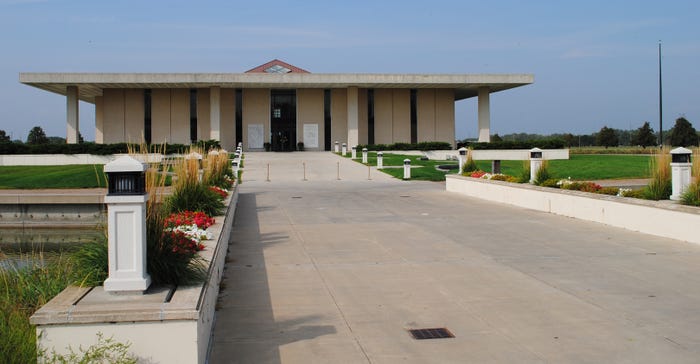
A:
x,y
681,150
125,164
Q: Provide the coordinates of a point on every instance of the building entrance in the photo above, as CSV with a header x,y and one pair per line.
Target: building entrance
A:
x,y
283,116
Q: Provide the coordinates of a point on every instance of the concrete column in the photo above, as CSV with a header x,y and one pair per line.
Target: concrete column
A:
x,y
99,120
215,113
353,117
484,115
72,122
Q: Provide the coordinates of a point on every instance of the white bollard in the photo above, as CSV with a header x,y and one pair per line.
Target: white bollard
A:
x,y
406,168
345,149
680,172
336,148
353,154
126,226
535,163
462,158
364,155
380,160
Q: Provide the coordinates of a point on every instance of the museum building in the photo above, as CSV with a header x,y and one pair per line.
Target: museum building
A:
x,y
275,103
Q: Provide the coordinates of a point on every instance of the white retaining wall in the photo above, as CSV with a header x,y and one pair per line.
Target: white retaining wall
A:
x,y
663,219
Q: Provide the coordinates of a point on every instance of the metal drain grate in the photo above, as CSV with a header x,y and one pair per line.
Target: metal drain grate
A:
x,y
435,333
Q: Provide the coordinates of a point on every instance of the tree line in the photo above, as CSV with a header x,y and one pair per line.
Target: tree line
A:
x,y
681,134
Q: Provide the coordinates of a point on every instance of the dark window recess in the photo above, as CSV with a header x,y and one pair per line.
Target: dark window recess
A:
x,y
147,115
370,116
239,116
193,115
327,119
427,334
414,118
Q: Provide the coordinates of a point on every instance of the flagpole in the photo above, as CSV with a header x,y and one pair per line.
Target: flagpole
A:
x,y
661,107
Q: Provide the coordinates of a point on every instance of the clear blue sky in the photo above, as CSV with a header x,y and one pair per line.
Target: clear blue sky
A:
x,y
595,62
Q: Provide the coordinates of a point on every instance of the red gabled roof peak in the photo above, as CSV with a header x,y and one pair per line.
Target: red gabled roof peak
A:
x,y
277,66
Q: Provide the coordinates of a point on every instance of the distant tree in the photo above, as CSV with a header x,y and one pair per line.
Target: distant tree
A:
x,y
496,138
644,136
4,138
37,136
56,140
569,139
683,133
607,137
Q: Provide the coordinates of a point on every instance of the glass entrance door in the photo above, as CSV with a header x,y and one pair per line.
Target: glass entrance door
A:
x,y
283,116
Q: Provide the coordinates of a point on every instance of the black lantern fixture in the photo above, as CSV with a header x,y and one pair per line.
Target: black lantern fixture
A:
x,y
681,155
126,176
535,153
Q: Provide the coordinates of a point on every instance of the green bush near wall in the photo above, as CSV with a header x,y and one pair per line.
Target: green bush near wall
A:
x,y
542,144
93,148
407,146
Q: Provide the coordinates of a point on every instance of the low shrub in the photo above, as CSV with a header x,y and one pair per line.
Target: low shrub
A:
x,y
551,182
195,197
638,193
542,144
499,177
423,146
612,191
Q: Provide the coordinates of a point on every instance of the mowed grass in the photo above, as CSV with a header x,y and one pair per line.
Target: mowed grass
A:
x,y
68,176
578,167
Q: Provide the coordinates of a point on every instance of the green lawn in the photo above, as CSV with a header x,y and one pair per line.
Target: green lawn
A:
x,y
578,167
70,176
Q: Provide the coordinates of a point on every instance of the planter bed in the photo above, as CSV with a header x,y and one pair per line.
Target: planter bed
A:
x,y
164,325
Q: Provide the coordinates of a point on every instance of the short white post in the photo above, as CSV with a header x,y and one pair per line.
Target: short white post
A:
x,y
345,149
535,163
126,226
353,154
406,168
364,155
336,148
462,158
234,165
380,160
680,172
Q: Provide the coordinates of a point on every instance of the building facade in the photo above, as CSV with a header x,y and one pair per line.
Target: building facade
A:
x,y
276,105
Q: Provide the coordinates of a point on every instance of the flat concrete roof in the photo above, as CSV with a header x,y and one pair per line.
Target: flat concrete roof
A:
x,y
92,84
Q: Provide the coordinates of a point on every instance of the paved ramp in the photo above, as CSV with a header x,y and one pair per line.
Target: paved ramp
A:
x,y
328,271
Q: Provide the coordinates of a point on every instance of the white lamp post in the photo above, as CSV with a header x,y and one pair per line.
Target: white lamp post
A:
x,y
126,226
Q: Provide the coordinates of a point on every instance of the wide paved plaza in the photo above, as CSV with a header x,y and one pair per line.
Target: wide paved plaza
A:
x,y
338,271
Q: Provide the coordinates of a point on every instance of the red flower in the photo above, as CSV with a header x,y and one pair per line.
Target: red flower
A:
x,y
478,174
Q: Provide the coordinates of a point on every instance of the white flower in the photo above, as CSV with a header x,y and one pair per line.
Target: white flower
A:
x,y
193,232
622,192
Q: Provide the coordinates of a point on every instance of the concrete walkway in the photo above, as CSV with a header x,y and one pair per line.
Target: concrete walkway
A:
x,y
328,271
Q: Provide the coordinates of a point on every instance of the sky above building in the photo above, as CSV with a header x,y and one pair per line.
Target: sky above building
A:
x,y
595,62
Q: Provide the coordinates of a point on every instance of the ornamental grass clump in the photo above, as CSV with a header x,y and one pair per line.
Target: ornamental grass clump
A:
x,y
191,194
659,188
469,165
542,174
691,196
171,256
217,170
